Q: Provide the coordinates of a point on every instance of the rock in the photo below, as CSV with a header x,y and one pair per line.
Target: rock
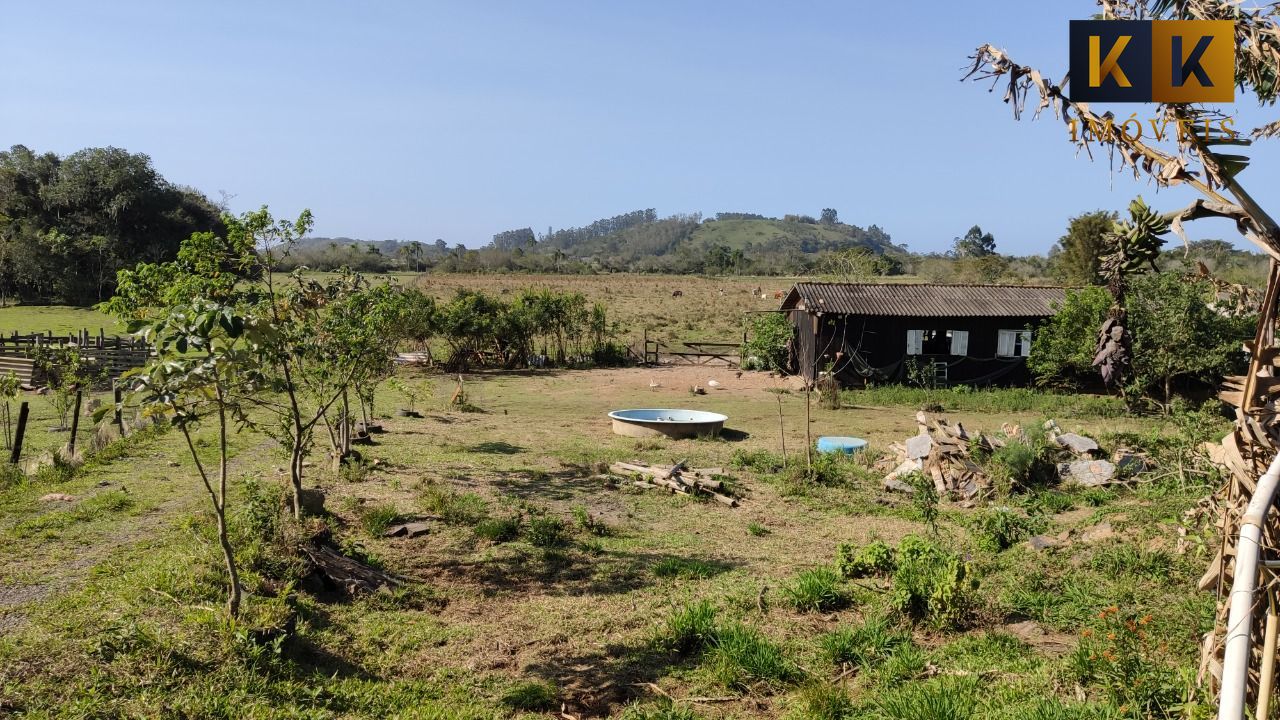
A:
x,y
1088,473
1128,463
898,486
1078,444
1097,533
312,501
57,497
412,530
1042,542
919,446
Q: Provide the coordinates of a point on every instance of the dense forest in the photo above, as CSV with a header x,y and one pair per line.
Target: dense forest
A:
x,y
68,224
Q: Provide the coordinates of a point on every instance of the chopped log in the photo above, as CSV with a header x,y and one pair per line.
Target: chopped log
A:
x,y
351,575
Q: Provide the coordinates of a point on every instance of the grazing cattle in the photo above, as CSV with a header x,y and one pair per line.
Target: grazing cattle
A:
x,y
678,293
777,295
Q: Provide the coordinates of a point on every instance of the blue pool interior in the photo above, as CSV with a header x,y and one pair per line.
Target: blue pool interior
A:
x,y
847,445
667,415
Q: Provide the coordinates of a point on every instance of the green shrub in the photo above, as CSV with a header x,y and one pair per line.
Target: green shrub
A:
x,y
547,531
1025,462
866,646
930,583
377,518
499,530
1000,528
531,695
874,558
741,656
690,628
816,590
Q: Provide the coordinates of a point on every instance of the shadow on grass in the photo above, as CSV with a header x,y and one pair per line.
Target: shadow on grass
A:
x,y
569,484
600,682
573,572
496,447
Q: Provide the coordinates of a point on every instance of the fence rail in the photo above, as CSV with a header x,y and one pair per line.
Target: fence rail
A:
x,y
115,355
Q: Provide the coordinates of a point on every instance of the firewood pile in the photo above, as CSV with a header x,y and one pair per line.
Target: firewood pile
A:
x,y
944,452
678,478
941,451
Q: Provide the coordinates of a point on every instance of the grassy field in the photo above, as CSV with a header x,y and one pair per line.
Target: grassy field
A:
x,y
541,586
709,309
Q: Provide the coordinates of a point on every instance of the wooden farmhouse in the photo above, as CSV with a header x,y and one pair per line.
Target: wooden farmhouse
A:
x,y
942,334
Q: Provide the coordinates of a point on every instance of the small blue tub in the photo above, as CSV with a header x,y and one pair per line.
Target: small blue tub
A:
x,y
845,445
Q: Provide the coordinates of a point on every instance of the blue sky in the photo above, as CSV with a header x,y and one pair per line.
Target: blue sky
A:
x,y
456,120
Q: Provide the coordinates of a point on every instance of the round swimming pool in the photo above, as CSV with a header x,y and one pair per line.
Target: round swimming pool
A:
x,y
671,422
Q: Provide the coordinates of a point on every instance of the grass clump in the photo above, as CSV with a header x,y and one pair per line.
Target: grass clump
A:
x,y
376,519
823,701
676,567
866,646
758,461
533,695
815,590
499,530
547,531
931,584
742,656
1130,561
999,528
874,558
588,523
755,529
690,628
942,698
454,507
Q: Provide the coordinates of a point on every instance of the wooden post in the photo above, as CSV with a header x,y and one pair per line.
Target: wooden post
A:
x,y
75,425
119,401
22,429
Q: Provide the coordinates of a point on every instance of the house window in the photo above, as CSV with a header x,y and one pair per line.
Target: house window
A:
x,y
1013,343
937,342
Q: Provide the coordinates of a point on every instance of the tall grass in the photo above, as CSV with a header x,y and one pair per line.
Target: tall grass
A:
x,y
961,398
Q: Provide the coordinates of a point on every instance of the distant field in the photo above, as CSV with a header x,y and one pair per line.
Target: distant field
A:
x,y
55,318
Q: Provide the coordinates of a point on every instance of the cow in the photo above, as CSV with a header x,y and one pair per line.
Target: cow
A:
x,y
678,293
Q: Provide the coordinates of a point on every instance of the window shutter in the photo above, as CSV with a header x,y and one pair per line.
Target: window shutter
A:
x,y
1026,343
1004,343
915,341
960,342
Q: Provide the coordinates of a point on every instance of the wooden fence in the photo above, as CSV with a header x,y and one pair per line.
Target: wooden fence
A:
x,y
114,355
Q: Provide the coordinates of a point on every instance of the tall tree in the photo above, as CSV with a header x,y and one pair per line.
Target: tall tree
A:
x,y
829,216
975,243
1076,257
67,225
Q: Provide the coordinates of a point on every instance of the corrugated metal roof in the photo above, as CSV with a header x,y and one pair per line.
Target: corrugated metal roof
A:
x,y
903,300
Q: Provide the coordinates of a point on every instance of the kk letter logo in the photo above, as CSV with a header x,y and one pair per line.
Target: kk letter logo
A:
x,y
1193,61
1171,61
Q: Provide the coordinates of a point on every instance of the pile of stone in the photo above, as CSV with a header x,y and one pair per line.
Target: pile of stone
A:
x,y
943,452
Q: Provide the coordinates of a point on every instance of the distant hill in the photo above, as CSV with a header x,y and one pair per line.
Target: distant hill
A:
x,y
732,242
638,241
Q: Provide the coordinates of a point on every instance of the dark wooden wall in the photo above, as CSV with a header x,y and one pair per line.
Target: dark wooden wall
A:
x,y
882,341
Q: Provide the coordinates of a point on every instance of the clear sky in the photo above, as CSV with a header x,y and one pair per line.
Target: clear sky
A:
x,y
455,120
